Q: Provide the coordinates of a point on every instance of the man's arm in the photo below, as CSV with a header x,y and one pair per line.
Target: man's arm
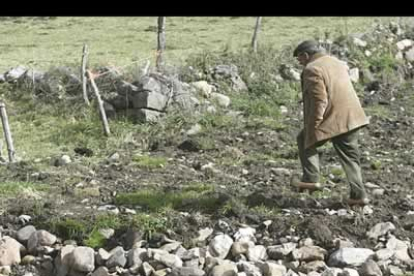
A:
x,y
315,90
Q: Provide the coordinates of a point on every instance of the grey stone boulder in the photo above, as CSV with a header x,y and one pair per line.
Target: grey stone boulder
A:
x,y
117,258
144,115
277,252
226,268
220,246
352,257
256,253
221,99
187,271
409,55
309,253
15,73
40,238
10,251
83,259
380,229
136,256
24,233
272,269
169,260
370,268
101,271
149,100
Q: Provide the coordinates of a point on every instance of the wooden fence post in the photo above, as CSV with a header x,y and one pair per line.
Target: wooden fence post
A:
x,y
85,54
7,133
100,104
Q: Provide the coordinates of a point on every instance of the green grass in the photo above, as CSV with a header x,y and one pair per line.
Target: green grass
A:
x,y
15,188
122,40
191,198
150,162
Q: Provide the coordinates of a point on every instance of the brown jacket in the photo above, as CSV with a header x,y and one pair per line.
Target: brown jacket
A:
x,y
331,106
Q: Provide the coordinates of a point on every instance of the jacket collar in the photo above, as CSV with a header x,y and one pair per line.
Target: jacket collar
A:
x,y
316,56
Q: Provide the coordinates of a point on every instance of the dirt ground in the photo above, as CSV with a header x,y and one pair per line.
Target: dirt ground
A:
x,y
386,147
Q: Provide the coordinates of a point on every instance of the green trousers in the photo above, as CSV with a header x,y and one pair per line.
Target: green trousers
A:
x,y
346,146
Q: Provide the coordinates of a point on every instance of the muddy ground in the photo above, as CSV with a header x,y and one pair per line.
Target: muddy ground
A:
x,y
386,147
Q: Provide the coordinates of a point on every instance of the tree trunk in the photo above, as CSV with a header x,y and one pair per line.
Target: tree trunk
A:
x,y
255,34
7,132
160,40
83,73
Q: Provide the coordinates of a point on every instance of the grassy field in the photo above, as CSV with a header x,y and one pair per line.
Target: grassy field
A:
x,y
43,130
43,42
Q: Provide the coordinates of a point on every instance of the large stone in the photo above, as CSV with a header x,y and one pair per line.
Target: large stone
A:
x,y
384,254
220,99
188,271
225,269
256,253
220,246
309,253
15,73
117,257
136,257
272,269
409,55
83,259
359,42
349,257
101,271
380,229
277,252
102,256
249,268
405,43
24,233
370,268
307,267
169,260
10,251
40,238
149,100
240,247
245,234
349,272
203,88
332,271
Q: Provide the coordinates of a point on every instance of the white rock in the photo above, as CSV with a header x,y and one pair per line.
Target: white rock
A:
x,y
220,246
380,229
309,253
40,238
409,55
395,270
283,109
136,256
368,53
334,271
224,269
24,233
277,252
109,208
221,99
359,42
204,233
384,254
114,157
350,272
101,271
195,129
117,258
354,75
294,74
399,56
64,160
245,234
367,210
203,88
10,251
169,260
257,253
24,218
83,259
314,273
249,268
405,43
349,256
272,269
102,256
241,247
370,268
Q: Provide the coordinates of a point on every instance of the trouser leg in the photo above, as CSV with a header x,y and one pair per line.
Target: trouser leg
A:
x,y
346,146
309,160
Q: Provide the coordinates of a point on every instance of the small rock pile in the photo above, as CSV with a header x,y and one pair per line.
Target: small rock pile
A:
x,y
219,252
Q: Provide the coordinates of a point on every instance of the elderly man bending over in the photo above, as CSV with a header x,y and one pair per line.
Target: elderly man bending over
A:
x,y
332,112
